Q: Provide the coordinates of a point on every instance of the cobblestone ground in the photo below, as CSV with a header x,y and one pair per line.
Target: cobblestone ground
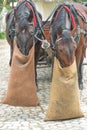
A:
x,y
32,118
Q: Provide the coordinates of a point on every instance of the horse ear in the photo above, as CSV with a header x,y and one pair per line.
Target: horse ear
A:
x,y
40,15
60,31
31,14
8,15
30,18
73,31
14,12
74,43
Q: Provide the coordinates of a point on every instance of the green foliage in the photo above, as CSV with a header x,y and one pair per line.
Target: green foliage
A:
x,y
1,5
82,0
2,35
7,5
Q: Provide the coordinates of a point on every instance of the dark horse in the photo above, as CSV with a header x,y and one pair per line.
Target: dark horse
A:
x,y
68,31
23,22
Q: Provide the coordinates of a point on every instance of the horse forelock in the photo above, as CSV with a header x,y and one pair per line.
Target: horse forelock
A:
x,y
66,35
60,18
64,17
25,9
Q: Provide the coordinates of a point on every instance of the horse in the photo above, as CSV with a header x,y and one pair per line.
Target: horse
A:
x,y
23,22
68,30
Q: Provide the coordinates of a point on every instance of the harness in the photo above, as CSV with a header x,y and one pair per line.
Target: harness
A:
x,y
36,19
27,3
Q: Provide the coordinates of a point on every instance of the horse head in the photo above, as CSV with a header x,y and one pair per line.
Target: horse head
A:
x,y
62,42
65,48
71,18
24,27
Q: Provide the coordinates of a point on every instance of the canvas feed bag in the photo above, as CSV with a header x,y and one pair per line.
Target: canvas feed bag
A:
x,y
22,89
64,94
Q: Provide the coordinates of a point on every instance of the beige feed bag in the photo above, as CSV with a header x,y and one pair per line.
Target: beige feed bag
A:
x,y
22,87
64,96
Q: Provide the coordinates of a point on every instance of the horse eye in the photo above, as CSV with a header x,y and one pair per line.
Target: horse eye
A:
x,y
61,50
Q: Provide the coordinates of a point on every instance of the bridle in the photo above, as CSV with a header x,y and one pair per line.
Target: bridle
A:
x,y
26,3
38,27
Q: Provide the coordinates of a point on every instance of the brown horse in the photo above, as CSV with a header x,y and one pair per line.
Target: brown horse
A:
x,y
68,32
23,22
